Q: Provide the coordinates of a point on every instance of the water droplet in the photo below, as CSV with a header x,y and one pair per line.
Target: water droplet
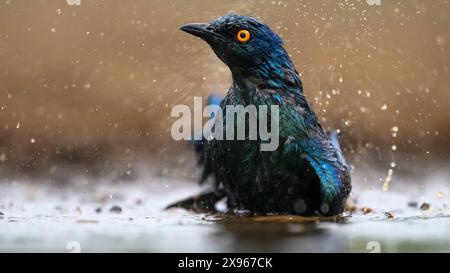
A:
x,y
387,180
394,131
300,206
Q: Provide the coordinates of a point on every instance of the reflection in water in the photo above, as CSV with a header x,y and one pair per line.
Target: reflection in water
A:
x,y
273,236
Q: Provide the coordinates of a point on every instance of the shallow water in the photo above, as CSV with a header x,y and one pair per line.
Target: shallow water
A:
x,y
45,218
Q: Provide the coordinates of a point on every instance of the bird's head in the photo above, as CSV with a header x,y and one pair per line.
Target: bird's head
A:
x,y
241,42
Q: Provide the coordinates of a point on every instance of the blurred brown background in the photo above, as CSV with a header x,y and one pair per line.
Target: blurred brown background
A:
x,y
93,84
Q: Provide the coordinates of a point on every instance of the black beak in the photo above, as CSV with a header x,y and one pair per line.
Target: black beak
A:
x,y
201,30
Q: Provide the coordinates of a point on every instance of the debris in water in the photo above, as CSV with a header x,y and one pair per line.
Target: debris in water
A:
x,y
98,210
350,207
366,210
82,221
1,214
78,209
440,194
115,209
425,206
389,215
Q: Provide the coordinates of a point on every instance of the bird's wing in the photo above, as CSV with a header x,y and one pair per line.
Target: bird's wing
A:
x,y
326,160
201,146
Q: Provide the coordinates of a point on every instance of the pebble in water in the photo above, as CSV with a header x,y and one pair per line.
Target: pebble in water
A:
x,y
425,206
366,210
115,209
389,215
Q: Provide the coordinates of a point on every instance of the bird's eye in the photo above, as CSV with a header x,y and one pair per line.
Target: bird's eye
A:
x,y
243,36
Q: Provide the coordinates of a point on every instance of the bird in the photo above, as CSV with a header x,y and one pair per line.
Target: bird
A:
x,y
307,173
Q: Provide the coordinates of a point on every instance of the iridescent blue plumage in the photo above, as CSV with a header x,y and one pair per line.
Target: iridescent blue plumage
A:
x,y
307,174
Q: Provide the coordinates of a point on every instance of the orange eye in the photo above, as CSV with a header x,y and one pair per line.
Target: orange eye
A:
x,y
243,36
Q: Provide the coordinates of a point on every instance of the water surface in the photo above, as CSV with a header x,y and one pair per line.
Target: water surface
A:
x,y
45,218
